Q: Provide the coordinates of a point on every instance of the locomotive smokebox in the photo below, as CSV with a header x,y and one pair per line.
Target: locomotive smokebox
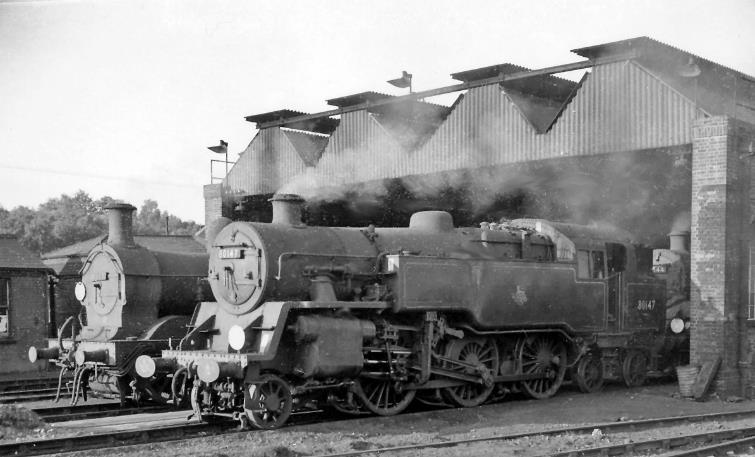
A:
x,y
287,209
120,224
678,240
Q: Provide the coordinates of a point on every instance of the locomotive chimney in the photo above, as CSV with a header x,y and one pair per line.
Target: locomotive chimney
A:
x,y
678,240
287,209
120,224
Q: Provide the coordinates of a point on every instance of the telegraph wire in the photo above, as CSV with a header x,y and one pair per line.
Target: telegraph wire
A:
x,y
91,175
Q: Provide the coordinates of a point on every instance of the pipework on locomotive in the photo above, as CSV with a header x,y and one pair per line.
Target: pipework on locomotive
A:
x,y
368,319
136,300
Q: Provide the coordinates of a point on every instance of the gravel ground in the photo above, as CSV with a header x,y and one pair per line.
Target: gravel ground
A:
x,y
514,416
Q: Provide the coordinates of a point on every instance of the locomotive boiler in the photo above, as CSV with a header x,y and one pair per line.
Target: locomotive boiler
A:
x,y
367,319
135,300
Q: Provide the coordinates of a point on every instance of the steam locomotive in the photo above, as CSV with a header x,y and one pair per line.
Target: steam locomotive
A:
x,y
136,300
368,319
672,266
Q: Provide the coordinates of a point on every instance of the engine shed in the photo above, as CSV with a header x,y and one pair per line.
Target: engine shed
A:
x,y
24,300
651,138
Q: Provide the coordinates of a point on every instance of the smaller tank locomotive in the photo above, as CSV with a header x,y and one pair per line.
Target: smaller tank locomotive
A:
x,y
135,300
367,319
672,265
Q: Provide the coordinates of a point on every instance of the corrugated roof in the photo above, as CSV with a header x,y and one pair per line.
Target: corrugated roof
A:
x,y
544,86
715,88
274,115
413,110
539,98
324,125
356,99
308,146
15,256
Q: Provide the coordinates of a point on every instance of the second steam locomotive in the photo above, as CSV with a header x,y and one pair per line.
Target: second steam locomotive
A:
x,y
368,319
135,300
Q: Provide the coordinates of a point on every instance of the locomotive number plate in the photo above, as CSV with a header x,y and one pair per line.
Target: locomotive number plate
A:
x,y
230,253
660,268
645,305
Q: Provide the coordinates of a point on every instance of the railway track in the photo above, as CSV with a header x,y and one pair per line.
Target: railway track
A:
x,y
113,439
150,434
30,389
19,396
726,440
71,413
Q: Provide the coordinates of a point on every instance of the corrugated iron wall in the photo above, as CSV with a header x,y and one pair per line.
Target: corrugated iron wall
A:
x,y
619,107
269,162
360,150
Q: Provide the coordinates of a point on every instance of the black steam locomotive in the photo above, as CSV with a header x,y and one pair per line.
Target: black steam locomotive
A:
x,y
135,301
672,266
367,319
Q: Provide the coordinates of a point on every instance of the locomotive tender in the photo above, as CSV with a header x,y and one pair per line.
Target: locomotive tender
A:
x,y
135,300
367,319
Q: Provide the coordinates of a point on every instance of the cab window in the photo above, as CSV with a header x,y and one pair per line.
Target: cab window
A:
x,y
616,257
591,264
597,265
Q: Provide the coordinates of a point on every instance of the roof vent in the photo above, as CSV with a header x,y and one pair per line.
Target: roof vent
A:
x,y
432,221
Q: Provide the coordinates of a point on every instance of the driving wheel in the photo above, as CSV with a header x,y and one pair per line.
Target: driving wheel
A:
x,y
477,357
544,356
383,396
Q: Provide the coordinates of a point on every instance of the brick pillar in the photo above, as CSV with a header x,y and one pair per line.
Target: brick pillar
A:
x,y
717,246
213,202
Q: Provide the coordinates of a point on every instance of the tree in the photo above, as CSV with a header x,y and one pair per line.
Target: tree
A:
x,y
151,221
68,219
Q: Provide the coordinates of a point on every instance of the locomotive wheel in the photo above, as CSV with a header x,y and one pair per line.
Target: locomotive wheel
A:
x,y
478,352
381,397
546,356
634,368
588,374
268,403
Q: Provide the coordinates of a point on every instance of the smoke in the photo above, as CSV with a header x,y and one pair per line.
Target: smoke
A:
x,y
682,222
639,191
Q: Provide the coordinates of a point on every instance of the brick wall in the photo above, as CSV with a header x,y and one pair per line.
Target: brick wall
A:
x,y
213,202
720,252
28,320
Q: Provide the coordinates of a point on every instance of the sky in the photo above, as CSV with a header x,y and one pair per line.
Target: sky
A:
x,y
122,98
